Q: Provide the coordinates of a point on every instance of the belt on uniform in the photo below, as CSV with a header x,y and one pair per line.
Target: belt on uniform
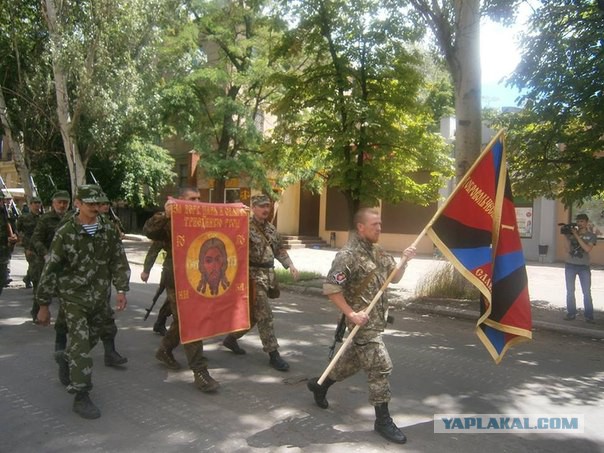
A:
x,y
268,265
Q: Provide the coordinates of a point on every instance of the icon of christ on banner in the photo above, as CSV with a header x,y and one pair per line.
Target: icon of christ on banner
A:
x,y
210,250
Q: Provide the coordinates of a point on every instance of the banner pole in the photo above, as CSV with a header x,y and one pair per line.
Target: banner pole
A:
x,y
403,260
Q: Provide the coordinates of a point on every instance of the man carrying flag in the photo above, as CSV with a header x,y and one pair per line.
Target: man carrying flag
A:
x,y
158,228
357,273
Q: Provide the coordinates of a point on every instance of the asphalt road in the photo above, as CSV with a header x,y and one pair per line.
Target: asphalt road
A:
x,y
440,367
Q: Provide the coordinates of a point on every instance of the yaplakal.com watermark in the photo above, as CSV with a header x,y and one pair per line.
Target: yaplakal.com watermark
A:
x,y
507,423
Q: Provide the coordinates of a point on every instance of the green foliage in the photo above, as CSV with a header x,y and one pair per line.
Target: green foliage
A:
x,y
218,102
137,175
283,276
350,116
445,282
555,143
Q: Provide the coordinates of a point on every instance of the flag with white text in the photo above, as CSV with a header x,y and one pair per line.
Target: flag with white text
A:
x,y
477,232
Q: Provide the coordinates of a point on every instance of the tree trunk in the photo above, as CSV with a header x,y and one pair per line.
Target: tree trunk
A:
x,y
16,146
466,73
77,169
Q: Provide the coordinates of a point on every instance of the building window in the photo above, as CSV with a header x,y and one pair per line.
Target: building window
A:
x,y
231,196
183,175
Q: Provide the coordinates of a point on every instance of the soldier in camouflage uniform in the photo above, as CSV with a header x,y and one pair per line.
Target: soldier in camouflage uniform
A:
x,y
108,330
86,257
40,244
26,225
357,273
8,239
266,245
158,228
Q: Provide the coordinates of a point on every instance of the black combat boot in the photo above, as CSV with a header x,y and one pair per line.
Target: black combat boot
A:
x,y
320,391
385,427
112,357
230,342
84,407
277,362
61,359
204,381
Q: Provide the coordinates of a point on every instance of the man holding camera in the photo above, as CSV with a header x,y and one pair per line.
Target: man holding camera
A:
x,y
580,242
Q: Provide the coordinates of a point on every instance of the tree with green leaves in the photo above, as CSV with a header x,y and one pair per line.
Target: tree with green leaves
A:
x,y
455,25
217,97
102,54
350,116
556,142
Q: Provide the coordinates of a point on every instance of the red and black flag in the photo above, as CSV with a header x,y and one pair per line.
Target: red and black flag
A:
x,y
476,230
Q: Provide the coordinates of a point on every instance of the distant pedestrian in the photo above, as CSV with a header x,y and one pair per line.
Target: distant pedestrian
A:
x,y
579,243
86,256
357,273
266,246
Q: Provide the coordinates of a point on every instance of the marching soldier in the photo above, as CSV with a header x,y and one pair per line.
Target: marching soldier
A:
x,y
86,256
26,224
265,246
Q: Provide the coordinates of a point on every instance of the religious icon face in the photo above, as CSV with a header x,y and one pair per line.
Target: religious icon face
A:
x,y
212,266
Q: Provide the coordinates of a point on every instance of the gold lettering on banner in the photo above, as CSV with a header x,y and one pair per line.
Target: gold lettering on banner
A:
x,y
484,278
180,240
479,197
183,294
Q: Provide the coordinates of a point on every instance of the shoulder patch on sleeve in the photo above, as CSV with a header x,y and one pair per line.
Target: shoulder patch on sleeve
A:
x,y
338,278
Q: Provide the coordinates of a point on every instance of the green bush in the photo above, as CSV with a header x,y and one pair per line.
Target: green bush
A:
x,y
445,282
283,276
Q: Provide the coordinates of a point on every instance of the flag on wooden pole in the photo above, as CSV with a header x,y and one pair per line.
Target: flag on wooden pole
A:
x,y
476,231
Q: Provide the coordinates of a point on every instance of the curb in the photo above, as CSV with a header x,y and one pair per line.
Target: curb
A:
x,y
461,313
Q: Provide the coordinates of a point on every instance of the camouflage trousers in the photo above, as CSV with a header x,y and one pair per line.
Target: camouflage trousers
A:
x,y
83,324
368,354
107,329
262,316
194,350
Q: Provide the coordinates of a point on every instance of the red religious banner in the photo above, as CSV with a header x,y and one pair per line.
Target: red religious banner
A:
x,y
210,253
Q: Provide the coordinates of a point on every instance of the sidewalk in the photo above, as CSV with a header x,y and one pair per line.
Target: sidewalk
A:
x,y
546,288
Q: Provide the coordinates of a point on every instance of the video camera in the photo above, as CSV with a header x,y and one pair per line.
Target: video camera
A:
x,y
567,228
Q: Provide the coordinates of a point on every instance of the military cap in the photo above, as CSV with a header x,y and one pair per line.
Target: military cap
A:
x,y
5,194
35,200
61,195
259,200
103,198
90,193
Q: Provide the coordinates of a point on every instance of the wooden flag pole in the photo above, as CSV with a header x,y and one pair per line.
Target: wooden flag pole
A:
x,y
377,297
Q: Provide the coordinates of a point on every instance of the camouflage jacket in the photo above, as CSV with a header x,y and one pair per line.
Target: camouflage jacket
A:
x,y
44,232
81,267
159,229
266,245
26,224
151,255
359,270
